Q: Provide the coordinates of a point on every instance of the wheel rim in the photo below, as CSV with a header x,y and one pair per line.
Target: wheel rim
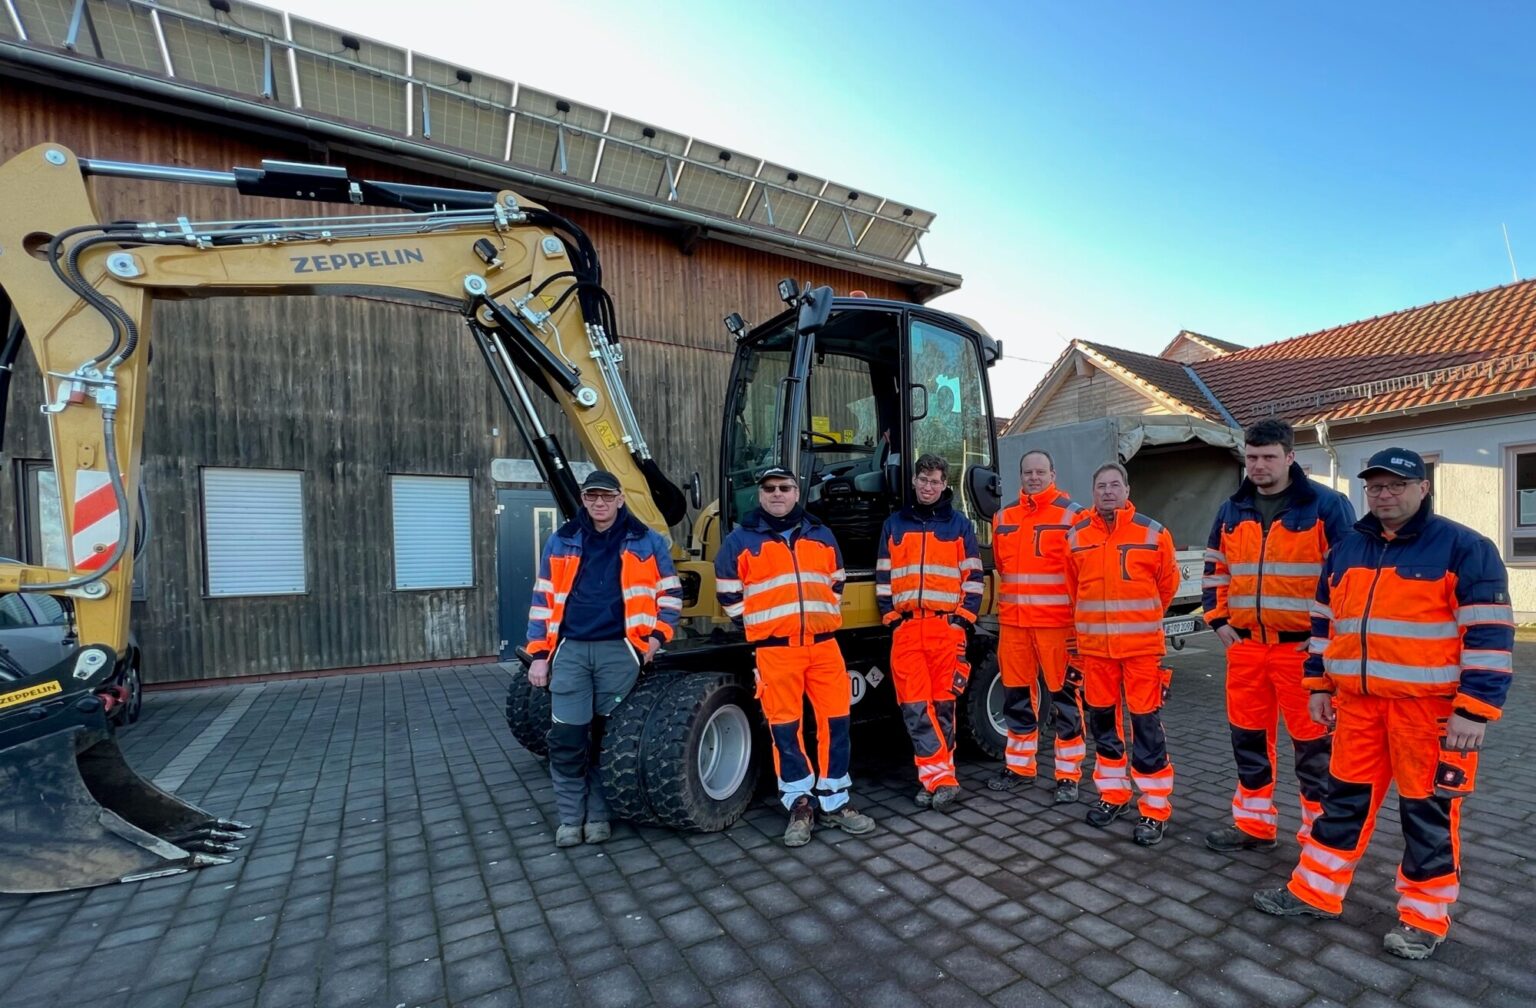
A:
x,y
725,752
995,706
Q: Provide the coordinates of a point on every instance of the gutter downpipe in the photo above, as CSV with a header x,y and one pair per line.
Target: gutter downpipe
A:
x,y
123,83
1321,430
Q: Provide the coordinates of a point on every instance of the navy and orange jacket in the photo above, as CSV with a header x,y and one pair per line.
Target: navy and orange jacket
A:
x,y
1029,546
1424,612
783,590
653,595
1260,580
928,563
1121,580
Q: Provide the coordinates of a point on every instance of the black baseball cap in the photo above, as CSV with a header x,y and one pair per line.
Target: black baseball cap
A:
x,y
600,479
772,471
1398,462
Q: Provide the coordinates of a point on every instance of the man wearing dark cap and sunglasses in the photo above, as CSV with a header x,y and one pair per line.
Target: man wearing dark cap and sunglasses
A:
x,y
779,576
606,599
1409,660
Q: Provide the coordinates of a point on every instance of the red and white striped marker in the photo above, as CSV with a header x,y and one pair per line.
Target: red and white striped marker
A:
x,y
97,524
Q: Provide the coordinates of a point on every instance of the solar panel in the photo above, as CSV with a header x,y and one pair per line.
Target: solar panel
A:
x,y
350,77
637,163
239,47
541,138
716,178
116,31
894,230
240,50
46,21
839,218
462,109
782,198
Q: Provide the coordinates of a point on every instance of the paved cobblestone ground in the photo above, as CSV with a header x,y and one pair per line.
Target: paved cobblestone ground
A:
x,y
402,856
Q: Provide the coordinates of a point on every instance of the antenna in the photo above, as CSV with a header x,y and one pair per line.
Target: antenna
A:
x,y
1514,273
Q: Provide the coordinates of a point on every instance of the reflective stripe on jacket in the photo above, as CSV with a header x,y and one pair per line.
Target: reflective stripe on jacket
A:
x,y
1121,580
1424,613
653,595
1263,580
1029,546
773,587
928,563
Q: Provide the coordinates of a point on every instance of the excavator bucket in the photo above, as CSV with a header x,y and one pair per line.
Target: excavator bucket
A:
x,y
73,813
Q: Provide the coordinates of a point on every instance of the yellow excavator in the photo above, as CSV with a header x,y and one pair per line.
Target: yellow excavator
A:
x,y
845,391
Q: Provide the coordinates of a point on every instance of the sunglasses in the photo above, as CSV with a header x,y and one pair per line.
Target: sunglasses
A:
x,y
599,496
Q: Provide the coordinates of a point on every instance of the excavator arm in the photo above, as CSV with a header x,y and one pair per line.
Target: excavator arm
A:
x,y
82,292
526,281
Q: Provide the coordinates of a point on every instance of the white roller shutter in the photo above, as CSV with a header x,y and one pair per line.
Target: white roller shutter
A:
x,y
253,522
432,534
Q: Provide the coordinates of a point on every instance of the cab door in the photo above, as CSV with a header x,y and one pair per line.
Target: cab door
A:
x,y
949,411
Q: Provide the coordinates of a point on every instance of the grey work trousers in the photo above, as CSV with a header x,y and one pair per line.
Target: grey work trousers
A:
x,y
587,681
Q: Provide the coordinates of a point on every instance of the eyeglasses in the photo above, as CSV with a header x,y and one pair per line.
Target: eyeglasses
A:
x,y
925,481
599,496
774,488
1395,488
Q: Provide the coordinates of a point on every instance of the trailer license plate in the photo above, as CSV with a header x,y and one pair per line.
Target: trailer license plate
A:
x,y
1174,628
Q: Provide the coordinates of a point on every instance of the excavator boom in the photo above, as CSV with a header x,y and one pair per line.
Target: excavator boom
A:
x,y
529,286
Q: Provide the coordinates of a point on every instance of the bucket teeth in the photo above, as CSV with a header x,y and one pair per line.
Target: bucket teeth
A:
x,y
233,825
209,847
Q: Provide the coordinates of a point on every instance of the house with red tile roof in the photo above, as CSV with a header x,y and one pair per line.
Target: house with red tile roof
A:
x,y
1454,380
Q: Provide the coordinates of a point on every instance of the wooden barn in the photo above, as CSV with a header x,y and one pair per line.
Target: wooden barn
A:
x,y
333,483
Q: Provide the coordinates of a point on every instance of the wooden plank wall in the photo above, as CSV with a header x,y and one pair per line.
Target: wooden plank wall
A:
x,y
351,390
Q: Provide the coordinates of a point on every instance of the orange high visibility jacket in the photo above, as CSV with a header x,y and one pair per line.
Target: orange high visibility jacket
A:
x,y
653,595
928,563
1029,546
782,590
1425,613
1121,579
1262,581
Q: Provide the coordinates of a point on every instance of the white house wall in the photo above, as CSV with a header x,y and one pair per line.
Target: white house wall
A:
x,y
1468,484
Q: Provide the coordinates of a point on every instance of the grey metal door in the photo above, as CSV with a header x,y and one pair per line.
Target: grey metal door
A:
x,y
525,519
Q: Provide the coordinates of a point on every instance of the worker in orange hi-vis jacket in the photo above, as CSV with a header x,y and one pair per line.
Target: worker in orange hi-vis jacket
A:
x,y
1029,547
1262,561
1122,573
1410,658
779,576
928,587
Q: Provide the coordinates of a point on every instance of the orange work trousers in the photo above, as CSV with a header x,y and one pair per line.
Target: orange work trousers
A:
x,y
927,652
1140,680
1024,655
1378,742
786,676
1264,685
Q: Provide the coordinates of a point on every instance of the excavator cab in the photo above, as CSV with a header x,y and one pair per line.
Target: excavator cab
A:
x,y
847,393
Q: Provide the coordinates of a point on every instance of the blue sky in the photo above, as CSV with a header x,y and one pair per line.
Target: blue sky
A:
x,y
1110,172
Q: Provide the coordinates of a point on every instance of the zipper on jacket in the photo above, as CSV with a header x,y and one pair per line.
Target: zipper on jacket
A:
x,y
1365,618
794,561
1258,588
922,560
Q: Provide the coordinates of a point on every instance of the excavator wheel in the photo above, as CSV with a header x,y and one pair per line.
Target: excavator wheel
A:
x,y
981,728
702,755
527,710
621,762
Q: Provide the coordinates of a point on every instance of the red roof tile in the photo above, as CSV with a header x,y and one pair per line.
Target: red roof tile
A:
x,y
1468,347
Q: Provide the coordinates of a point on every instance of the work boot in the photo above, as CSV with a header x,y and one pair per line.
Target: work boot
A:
x,y
597,832
853,822
1410,942
923,798
1007,780
1103,813
1230,838
1149,831
945,797
802,819
1284,903
1066,792
568,835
